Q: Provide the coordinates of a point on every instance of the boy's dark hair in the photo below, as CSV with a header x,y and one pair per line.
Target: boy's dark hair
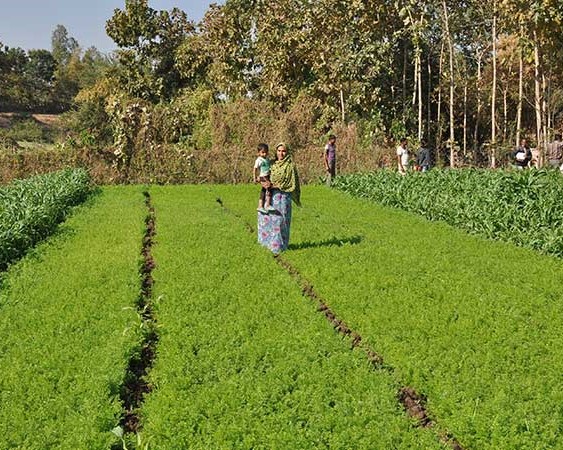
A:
x,y
331,136
403,139
263,146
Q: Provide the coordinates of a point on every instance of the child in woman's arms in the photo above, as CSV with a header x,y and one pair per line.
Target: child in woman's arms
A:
x,y
261,174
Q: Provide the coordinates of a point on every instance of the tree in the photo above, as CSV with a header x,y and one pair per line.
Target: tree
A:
x,y
62,46
41,65
148,41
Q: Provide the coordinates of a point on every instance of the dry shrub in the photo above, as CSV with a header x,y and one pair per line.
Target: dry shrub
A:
x,y
235,129
26,163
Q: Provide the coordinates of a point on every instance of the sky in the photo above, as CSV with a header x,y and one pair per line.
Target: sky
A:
x,y
29,23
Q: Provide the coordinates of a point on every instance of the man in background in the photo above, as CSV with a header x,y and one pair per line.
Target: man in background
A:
x,y
423,157
403,156
554,152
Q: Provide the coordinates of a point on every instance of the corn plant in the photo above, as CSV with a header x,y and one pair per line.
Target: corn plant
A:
x,y
31,209
522,207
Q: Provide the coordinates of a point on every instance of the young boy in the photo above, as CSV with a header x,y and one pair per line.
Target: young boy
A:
x,y
329,157
262,173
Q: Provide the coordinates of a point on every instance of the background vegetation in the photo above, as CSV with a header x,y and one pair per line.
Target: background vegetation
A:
x,y
183,101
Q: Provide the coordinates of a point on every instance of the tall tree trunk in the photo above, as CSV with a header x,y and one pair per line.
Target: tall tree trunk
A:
x,y
505,114
545,132
465,117
548,115
405,80
538,96
479,103
439,109
451,99
342,105
429,98
494,90
520,94
415,77
419,82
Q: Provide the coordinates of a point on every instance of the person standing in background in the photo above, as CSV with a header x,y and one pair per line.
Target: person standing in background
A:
x,y
329,157
522,155
423,156
403,156
554,152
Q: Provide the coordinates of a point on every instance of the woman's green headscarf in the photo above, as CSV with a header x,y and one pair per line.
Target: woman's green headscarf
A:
x,y
284,176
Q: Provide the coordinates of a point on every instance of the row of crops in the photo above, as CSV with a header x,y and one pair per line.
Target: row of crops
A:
x,y
31,209
68,327
245,360
474,325
522,207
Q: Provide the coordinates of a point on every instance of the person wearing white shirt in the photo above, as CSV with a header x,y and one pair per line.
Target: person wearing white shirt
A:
x,y
403,156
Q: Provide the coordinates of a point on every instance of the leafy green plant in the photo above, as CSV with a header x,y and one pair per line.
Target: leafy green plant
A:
x,y
31,209
244,360
67,335
471,323
522,207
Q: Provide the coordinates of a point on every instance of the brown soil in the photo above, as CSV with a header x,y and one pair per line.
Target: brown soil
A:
x,y
47,120
136,385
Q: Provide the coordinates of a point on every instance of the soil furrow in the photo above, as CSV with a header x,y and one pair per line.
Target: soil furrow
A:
x,y
412,402
136,385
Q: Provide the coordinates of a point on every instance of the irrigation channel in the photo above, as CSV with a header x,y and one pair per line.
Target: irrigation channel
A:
x,y
136,386
413,402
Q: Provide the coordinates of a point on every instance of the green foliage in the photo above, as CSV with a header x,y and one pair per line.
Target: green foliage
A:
x,y
522,207
68,329
244,361
31,209
63,46
148,41
473,324
27,130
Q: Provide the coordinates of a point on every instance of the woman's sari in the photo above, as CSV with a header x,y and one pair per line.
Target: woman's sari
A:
x,y
273,228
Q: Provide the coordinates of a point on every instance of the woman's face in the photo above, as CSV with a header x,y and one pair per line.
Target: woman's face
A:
x,y
281,152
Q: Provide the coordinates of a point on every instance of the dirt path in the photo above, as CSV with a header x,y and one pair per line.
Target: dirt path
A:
x,y
47,120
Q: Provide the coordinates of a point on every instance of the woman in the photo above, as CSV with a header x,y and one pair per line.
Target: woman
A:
x,y
273,228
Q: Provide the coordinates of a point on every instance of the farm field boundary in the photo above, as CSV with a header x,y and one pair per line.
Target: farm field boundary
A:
x,y
68,328
243,361
474,324
136,384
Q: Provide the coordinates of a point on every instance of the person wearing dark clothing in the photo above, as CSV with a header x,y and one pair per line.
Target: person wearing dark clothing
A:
x,y
522,155
423,157
555,152
329,157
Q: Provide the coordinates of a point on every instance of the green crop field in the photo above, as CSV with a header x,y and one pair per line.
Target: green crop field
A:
x,y
244,358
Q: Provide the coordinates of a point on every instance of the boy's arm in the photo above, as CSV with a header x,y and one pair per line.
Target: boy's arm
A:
x,y
256,173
